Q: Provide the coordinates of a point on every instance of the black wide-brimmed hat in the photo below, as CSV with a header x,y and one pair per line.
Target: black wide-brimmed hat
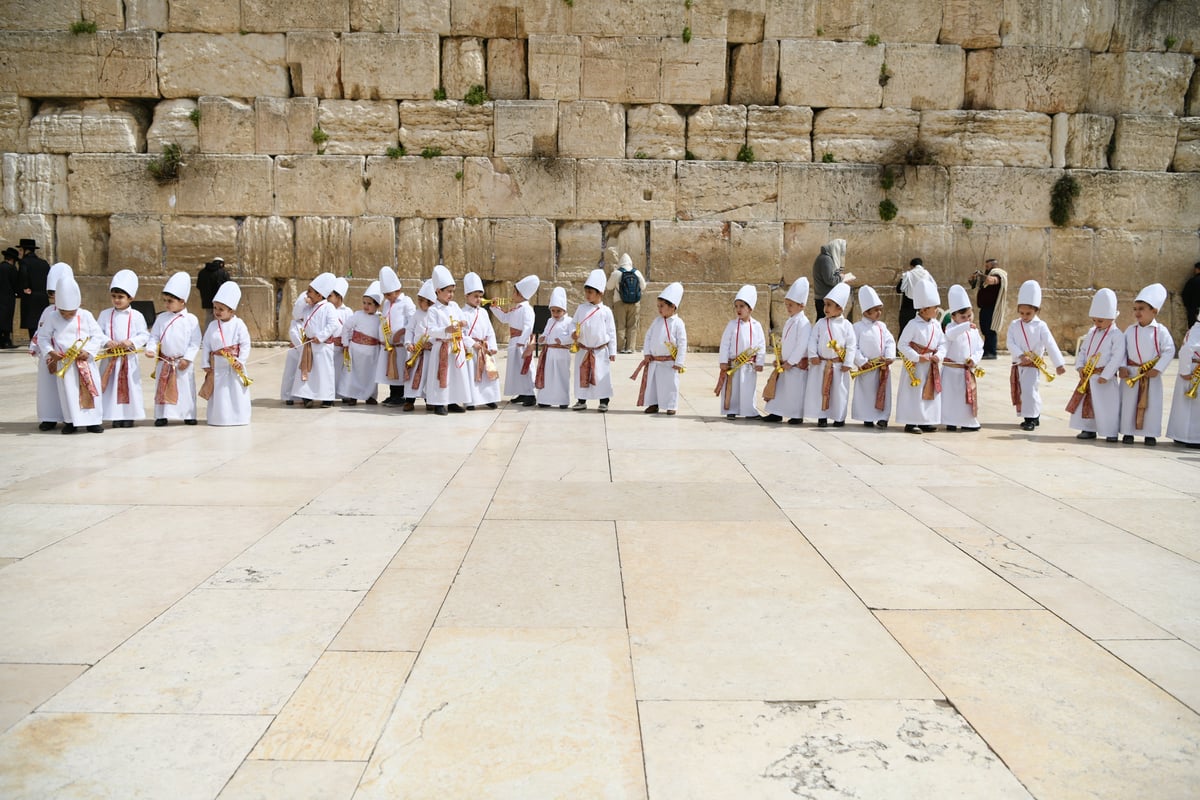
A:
x,y
28,244
10,252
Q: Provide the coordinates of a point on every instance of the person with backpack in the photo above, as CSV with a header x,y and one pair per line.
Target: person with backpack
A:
x,y
627,284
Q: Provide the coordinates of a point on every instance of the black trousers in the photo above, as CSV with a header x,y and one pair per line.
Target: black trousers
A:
x,y
990,339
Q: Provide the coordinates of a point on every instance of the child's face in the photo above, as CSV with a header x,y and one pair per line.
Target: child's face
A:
x,y
1026,313
1102,324
793,308
557,313
313,296
1144,313
67,314
369,305
474,299
966,315
446,294
591,295
392,297
173,303
665,309
832,309
741,309
334,298
873,314
423,304
516,298
927,313
120,300
222,312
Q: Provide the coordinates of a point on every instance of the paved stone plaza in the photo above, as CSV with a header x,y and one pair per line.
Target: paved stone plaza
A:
x,y
535,603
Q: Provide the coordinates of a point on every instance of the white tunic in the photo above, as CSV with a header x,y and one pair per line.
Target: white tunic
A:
x,y
1184,423
176,336
341,374
874,341
479,329
791,384
399,316
964,345
1143,343
597,331
230,401
739,336
520,327
414,330
662,385
49,409
57,336
1034,337
557,373
911,407
362,382
123,326
1108,347
458,376
840,330
291,363
319,327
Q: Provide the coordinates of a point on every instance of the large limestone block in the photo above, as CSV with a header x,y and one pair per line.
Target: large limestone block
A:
x,y
829,192
146,15
693,251
463,66
267,246
359,127
419,246
526,128
320,185
372,243
390,66
27,15
872,252
623,69
692,72
82,242
866,135
591,129
60,64
463,241
314,59
269,16
283,126
379,16
924,76
647,19
756,252
523,246
787,19
1187,146
1046,79
745,21
1088,137
205,16
1146,26
1144,142
190,242
414,187
655,131
829,74
971,24
16,112
173,124
918,21
509,19
1086,24
780,133
919,194
754,73
519,187
237,185
39,227
987,138
1001,196
92,176
579,251
34,184
622,188
729,191
89,126
1125,262
506,69
323,245
1139,83
1140,201
716,133
135,242
194,64
414,16
626,237
454,127
555,67
1072,254
227,126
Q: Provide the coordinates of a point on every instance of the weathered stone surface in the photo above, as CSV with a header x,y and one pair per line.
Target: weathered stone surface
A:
x,y
462,66
871,254
509,19
579,251
284,126
523,246
190,242
756,251
92,176
987,138
173,125
314,59
205,16
506,70
192,64
1088,136
1192,101
266,247
829,192
1146,26
918,22
755,73
1072,253
621,189
34,184
416,16
320,185
146,15
1187,146
1125,261
829,74
972,24
1087,24
924,76
39,227
695,251
780,133
390,66
1137,201
919,194
453,126
555,67
1144,142
60,64
372,243
729,191
464,241
322,245
692,72
236,185
378,16
647,19
27,15
655,131
1045,79
226,126
716,133
359,127
868,135
82,242
418,243
1001,196
622,70
745,20
786,19
591,129
135,242
625,238
269,16
519,187
88,126
414,187
1139,83
526,128
15,115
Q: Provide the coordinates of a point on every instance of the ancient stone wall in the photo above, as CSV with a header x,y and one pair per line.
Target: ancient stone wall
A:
x,y
718,142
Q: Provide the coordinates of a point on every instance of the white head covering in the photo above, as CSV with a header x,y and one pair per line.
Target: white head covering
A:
x,y
374,293
912,277
748,295
837,250
57,272
527,287
442,277
472,283
228,293
558,298
958,298
388,280
341,286
673,293
1104,305
798,293
925,294
626,262
839,294
125,280
426,291
597,280
1153,295
323,284
1030,294
179,285
67,296
868,298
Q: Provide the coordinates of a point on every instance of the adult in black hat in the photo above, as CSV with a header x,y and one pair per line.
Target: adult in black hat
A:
x,y
33,270
209,279
9,289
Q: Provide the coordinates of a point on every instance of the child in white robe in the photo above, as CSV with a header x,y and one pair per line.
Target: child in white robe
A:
x,y
922,345
341,356
518,373
1149,348
417,347
741,357
223,356
174,343
964,351
485,378
448,378
395,317
788,387
872,402
72,334
664,355
1184,423
832,349
1030,341
596,336
315,377
361,335
553,379
125,332
1096,410
49,409
291,362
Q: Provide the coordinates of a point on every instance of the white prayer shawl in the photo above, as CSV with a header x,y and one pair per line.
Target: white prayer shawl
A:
x,y
599,331
1109,346
662,385
361,382
399,315
176,336
1184,422
520,319
341,374
319,326
120,326
557,374
1141,345
1034,337
874,340
49,409
963,342
413,331
57,336
291,363
840,330
791,384
479,328
738,336
911,407
458,372
230,401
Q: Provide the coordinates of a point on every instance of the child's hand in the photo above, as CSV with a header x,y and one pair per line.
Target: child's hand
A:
x,y
1123,372
1060,371
1025,362
677,368
845,368
184,363
612,358
238,365
1102,380
150,353
110,344
1153,373
575,335
758,367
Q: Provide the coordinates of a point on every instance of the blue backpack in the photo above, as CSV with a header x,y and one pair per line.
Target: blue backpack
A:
x,y
630,287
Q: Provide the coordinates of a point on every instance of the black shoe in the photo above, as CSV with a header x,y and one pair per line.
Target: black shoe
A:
x,y
47,426
161,422
929,428
308,403
1086,435
603,406
580,405
841,423
439,410
95,429
529,401
492,405
868,424
796,421
1037,421
1110,439
971,430
1126,440
952,428
68,428
371,401
731,416
390,401
651,410
765,418
564,406
1027,425
326,404
409,405
543,405
1151,441
455,408
470,408
989,356
351,401
822,423
912,429
289,402
881,423
189,422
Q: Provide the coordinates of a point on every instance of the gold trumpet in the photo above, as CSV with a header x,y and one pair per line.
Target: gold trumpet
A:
x,y
418,348
870,366
1195,384
1089,369
489,301
238,369
1040,363
575,342
117,352
386,330
1142,372
743,358
69,357
911,369
674,352
777,346
837,348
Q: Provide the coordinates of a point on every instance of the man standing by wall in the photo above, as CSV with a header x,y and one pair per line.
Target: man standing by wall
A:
x,y
828,271
210,278
9,291
33,273
627,284
1191,295
992,283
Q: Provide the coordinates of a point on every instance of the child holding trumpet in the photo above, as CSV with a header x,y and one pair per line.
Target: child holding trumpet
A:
x,y
448,379
1149,348
485,378
1030,341
518,375
417,345
68,342
922,346
595,337
786,391
872,403
663,355
743,350
174,342
362,338
1095,403
126,335
832,348
1184,423
395,318
553,379
49,409
964,351
223,355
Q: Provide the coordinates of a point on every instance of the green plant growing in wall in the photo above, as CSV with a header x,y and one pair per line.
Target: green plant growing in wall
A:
x,y
1062,199
885,74
1170,42
887,179
687,34
83,26
827,158
640,154
431,152
570,3
395,152
887,210
319,138
746,154
458,175
439,93
688,155
165,168
872,40
476,96
968,223
194,116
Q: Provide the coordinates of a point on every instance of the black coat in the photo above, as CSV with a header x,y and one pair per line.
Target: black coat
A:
x,y
10,285
209,279
33,273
